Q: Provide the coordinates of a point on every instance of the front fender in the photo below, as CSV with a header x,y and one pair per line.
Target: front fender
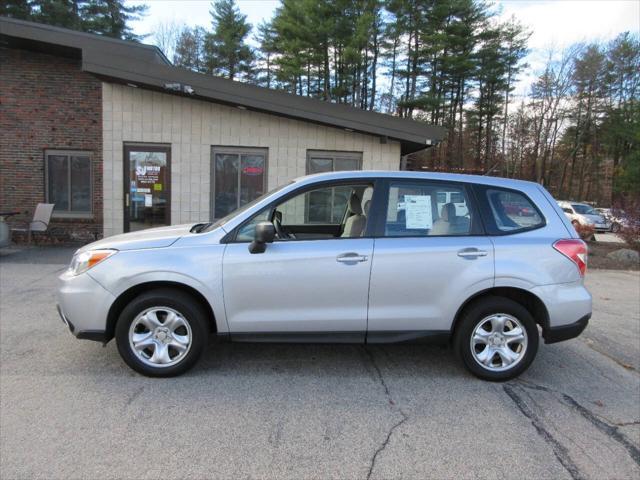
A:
x,y
199,268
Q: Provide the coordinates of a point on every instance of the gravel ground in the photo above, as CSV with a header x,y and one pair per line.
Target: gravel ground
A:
x,y
72,409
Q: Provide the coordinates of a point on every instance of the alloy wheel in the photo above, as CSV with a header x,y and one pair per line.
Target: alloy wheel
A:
x,y
499,342
160,337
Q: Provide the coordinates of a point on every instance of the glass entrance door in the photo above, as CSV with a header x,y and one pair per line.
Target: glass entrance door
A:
x,y
146,189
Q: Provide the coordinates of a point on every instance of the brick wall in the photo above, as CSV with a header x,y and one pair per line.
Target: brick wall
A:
x,y
47,102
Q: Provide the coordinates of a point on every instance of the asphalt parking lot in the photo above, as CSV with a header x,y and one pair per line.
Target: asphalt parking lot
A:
x,y
72,409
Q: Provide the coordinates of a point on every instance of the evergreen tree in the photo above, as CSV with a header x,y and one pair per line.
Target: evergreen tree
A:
x,y
16,9
266,38
111,18
106,17
226,51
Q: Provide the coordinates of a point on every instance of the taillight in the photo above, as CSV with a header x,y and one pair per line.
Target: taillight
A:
x,y
575,250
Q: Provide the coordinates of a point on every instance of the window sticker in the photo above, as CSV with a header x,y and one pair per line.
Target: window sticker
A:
x,y
418,211
148,200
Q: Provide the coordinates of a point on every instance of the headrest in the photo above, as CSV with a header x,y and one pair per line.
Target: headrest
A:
x,y
448,213
355,206
365,208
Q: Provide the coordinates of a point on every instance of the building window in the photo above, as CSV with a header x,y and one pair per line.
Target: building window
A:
x,y
68,182
239,175
319,161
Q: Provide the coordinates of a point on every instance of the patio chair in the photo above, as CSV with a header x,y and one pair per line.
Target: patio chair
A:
x,y
40,222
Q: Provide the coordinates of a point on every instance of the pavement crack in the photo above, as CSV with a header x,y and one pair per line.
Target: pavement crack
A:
x,y
559,450
392,405
609,429
133,396
624,365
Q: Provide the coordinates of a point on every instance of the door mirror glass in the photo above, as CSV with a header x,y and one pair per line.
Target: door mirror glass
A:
x,y
265,233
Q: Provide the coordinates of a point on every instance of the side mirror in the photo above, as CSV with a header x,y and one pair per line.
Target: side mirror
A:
x,y
567,210
265,233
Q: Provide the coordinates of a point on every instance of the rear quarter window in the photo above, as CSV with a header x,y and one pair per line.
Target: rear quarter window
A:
x,y
509,211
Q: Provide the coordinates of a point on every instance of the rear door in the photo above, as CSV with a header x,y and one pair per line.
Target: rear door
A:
x,y
429,257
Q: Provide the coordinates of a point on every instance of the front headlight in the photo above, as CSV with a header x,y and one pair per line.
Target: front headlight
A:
x,y
81,262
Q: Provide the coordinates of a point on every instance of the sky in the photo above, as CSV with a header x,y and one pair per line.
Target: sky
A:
x,y
555,24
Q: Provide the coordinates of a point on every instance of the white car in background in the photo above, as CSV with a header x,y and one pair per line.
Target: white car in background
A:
x,y
585,215
616,219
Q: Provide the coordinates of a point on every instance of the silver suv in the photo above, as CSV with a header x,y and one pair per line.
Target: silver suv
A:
x,y
360,257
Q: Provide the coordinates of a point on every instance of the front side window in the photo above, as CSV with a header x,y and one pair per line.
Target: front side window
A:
x,y
512,211
427,209
339,211
239,176
68,181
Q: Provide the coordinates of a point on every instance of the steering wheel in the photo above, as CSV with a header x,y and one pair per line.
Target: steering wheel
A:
x,y
278,226
280,231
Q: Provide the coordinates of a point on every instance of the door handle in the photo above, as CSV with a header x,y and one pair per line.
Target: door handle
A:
x,y
126,196
472,253
351,258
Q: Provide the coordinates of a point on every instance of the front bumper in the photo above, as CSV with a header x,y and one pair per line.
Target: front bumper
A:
x,y
565,332
83,305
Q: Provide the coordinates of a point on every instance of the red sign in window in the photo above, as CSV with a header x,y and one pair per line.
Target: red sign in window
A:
x,y
252,170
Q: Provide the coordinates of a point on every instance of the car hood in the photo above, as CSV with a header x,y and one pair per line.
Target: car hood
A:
x,y
150,238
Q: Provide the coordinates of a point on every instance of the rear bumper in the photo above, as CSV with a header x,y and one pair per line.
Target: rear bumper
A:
x,y
565,332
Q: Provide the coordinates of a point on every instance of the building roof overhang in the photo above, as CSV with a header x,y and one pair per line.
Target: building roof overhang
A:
x,y
145,66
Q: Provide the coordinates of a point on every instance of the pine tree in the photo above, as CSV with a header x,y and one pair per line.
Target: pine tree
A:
x,y
226,51
111,18
16,9
106,17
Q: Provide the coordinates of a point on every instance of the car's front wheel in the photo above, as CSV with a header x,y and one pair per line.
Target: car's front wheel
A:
x,y
496,339
161,333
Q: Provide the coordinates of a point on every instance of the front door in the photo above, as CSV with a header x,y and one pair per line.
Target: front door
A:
x,y
313,281
146,186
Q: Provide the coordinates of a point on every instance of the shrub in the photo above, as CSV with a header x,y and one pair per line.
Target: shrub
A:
x,y
629,211
586,232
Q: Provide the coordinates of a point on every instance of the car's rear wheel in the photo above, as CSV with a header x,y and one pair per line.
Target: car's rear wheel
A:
x,y
496,339
615,228
161,333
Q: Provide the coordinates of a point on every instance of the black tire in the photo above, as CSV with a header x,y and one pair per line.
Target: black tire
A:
x,y
615,228
189,309
473,315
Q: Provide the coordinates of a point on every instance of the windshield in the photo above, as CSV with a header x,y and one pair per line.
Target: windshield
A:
x,y
583,209
247,206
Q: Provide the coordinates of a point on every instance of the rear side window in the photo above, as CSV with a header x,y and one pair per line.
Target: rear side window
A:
x,y
416,209
512,211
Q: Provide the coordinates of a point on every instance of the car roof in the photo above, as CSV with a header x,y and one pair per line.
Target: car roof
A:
x,y
451,177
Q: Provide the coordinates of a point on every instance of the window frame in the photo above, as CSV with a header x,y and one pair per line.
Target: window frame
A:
x,y
370,228
476,228
69,153
333,154
234,150
487,213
